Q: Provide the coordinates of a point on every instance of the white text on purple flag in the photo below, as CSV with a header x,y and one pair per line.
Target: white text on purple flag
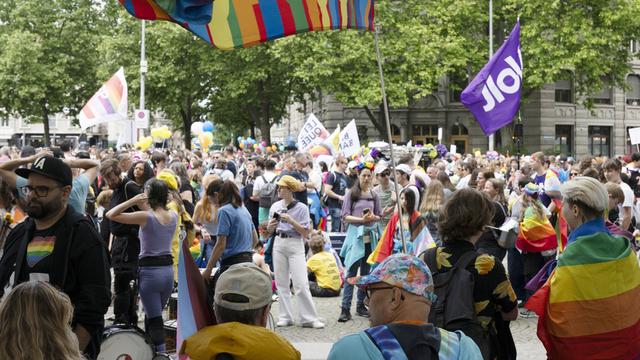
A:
x,y
493,91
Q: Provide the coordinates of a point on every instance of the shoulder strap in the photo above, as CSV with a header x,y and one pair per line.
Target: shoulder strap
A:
x,y
465,260
264,179
273,180
386,343
292,205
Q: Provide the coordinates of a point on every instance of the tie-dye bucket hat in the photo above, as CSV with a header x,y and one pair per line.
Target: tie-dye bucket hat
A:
x,y
407,272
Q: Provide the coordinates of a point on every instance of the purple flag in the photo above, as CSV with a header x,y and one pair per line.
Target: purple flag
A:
x,y
494,94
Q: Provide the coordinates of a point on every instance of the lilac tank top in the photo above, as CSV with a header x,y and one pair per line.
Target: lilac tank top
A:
x,y
155,238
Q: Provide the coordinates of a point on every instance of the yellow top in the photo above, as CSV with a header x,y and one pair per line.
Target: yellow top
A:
x,y
324,266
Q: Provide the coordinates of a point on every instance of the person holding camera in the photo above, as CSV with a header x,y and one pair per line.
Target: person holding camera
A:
x,y
362,213
290,221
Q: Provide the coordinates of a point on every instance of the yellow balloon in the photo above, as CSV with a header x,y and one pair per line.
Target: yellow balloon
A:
x,y
166,134
156,132
209,136
241,145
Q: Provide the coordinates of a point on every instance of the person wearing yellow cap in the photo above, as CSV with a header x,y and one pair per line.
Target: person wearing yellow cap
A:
x,y
290,221
175,204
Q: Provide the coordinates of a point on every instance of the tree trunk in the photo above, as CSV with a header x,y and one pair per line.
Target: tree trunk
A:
x,y
186,124
265,130
380,125
45,122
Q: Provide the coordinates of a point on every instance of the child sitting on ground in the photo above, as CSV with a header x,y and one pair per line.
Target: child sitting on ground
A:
x,y
324,275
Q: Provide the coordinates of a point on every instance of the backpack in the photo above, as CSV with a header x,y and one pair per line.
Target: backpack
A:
x,y
454,308
268,193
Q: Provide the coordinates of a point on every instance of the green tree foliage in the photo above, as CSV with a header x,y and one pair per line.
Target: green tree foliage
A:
x,y
46,60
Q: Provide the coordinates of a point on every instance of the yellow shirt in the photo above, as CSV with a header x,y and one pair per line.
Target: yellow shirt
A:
x,y
324,266
243,342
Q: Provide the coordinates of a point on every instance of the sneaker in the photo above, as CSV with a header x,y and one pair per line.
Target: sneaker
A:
x,y
284,323
527,314
345,316
362,311
316,325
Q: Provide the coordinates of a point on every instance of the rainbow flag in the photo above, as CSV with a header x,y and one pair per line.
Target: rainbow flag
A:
x,y
589,306
420,240
109,103
561,227
244,23
536,234
194,312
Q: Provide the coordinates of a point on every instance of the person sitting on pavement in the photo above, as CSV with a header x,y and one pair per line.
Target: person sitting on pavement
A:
x,y
399,295
322,267
242,303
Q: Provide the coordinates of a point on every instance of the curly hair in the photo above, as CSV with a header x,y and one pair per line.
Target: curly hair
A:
x,y
111,166
464,215
36,320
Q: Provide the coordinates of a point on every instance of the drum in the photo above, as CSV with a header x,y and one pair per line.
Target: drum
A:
x,y
121,343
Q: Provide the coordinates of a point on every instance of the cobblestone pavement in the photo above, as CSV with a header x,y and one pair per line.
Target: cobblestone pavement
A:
x,y
315,343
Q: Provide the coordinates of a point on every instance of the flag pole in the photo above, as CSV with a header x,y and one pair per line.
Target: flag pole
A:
x,y
386,117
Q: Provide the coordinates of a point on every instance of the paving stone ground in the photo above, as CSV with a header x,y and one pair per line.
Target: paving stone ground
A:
x,y
316,343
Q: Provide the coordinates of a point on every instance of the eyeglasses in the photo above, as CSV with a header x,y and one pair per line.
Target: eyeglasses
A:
x,y
371,290
40,191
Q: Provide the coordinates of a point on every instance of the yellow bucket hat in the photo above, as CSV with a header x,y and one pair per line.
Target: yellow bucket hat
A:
x,y
169,179
291,183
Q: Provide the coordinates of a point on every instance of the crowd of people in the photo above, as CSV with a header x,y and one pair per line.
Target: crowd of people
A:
x,y
261,228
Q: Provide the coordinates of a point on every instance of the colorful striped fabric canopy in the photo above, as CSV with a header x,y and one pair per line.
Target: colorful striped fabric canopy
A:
x,y
230,24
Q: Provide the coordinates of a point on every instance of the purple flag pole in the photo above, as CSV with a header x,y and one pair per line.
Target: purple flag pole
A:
x,y
494,94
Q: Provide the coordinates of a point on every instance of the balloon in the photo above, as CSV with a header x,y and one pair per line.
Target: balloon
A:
x,y
255,146
156,132
239,139
166,133
263,143
207,126
196,128
204,140
195,142
241,145
209,137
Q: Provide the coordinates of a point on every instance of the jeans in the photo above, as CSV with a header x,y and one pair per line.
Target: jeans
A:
x,y
336,219
318,291
125,297
347,294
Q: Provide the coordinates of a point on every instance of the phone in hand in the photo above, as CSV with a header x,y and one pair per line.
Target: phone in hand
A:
x,y
366,212
276,216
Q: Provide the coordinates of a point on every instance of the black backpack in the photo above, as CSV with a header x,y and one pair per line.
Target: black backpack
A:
x,y
454,308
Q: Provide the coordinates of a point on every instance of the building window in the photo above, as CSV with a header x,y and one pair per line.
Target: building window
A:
x,y
395,133
564,139
600,140
633,95
564,88
635,46
4,121
425,134
456,84
459,130
603,97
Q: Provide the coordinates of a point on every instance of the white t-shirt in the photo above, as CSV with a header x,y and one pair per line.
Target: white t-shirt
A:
x,y
259,182
628,197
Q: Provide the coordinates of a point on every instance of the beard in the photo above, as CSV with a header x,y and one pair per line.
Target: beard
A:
x,y
40,210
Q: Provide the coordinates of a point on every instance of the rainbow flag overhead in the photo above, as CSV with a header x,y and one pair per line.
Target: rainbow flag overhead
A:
x,y
589,306
109,103
536,234
193,311
243,23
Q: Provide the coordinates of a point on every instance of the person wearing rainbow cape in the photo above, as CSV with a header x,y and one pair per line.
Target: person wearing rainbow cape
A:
x,y
588,307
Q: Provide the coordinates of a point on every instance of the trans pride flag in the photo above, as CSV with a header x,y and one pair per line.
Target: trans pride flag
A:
x,y
193,311
589,306
109,103
243,23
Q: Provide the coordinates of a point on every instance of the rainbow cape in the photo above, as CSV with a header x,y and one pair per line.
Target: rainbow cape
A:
x,y
420,240
536,234
194,312
561,226
230,24
589,306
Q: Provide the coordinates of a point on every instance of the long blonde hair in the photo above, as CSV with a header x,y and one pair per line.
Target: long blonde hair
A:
x,y
207,215
36,324
433,197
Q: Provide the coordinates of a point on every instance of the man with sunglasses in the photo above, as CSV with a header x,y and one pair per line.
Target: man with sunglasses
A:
x,y
385,191
58,245
399,295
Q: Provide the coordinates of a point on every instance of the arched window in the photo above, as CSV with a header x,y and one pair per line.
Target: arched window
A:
x,y
633,94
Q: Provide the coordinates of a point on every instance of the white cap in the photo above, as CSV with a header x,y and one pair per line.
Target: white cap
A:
x,y
352,164
404,168
380,167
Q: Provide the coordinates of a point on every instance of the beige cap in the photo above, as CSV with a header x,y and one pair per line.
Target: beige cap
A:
x,y
242,287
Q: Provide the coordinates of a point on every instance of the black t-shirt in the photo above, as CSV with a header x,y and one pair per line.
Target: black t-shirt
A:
x,y
125,191
38,260
339,183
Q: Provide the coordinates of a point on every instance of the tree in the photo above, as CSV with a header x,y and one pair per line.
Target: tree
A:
x,y
46,62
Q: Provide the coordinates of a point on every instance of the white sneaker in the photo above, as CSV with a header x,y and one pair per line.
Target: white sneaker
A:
x,y
316,325
284,323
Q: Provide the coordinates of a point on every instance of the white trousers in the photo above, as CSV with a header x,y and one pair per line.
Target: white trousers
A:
x,y
289,264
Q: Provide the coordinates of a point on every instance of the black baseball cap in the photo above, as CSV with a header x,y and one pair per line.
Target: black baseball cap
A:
x,y
50,167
